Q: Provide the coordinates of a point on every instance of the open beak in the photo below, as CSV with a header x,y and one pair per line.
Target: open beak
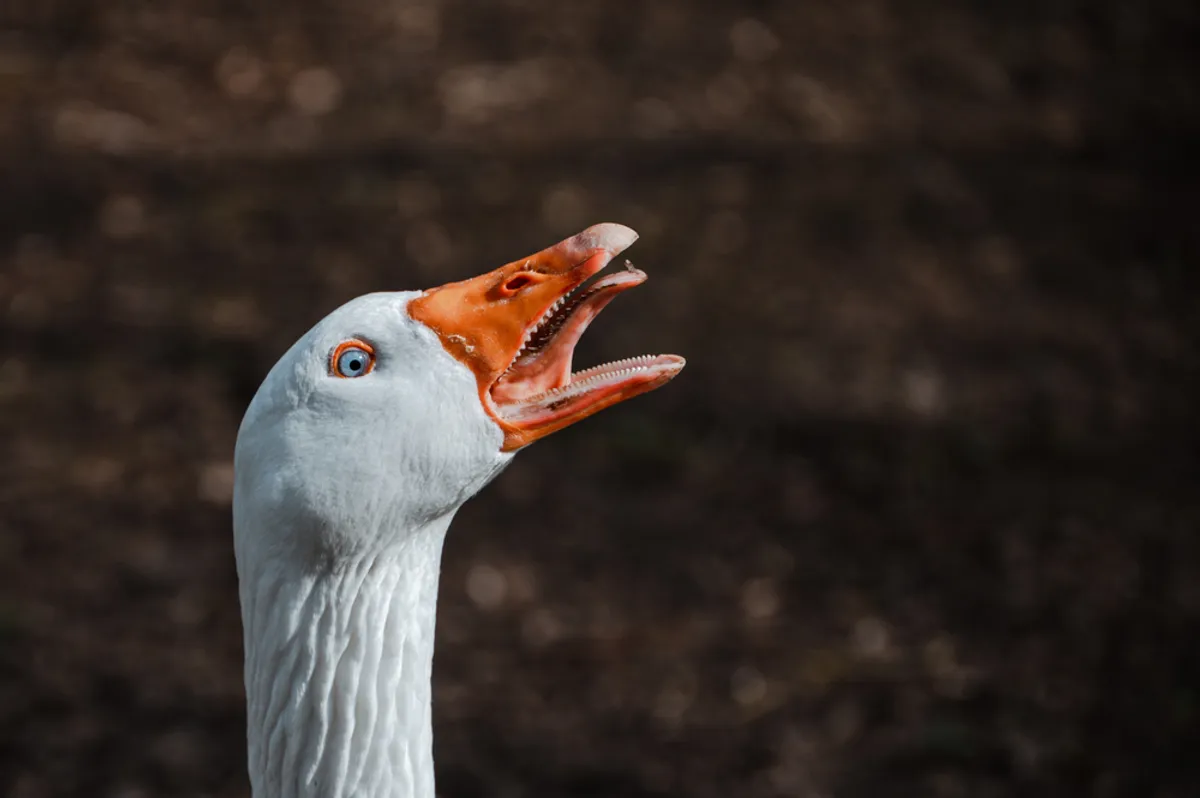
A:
x,y
516,329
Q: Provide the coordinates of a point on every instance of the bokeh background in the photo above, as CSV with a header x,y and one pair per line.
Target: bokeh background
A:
x,y
919,518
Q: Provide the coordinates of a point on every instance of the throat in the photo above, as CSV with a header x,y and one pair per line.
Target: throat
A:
x,y
338,665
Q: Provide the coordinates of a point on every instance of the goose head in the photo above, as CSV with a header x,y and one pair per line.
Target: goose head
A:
x,y
397,407
351,460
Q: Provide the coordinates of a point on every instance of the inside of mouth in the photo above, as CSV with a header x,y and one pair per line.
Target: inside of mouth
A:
x,y
540,383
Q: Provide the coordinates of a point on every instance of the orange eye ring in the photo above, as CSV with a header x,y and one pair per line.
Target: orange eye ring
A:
x,y
335,365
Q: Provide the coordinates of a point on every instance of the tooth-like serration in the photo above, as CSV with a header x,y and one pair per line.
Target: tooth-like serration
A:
x,y
570,300
607,369
581,383
537,326
533,330
595,375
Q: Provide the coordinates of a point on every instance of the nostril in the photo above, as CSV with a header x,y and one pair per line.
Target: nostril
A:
x,y
517,282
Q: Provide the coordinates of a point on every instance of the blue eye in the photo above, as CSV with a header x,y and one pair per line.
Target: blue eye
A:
x,y
353,359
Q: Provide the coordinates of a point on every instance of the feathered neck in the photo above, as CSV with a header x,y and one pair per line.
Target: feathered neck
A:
x,y
338,664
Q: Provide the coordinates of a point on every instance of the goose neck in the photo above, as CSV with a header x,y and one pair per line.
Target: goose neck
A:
x,y
338,665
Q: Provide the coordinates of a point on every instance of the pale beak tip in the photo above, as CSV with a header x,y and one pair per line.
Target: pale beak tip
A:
x,y
610,236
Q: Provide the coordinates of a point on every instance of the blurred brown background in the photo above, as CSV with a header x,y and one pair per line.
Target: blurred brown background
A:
x,y
919,519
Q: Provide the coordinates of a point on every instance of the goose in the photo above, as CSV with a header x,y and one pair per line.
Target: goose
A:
x,y
352,458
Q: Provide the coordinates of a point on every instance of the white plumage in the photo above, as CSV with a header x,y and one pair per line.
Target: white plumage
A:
x,y
344,491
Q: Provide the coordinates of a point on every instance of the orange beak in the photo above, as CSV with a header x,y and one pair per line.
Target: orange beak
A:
x,y
516,329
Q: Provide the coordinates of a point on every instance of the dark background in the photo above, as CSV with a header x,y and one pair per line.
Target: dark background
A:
x,y
918,519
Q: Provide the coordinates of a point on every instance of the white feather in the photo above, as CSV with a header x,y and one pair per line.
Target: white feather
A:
x,y
343,493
